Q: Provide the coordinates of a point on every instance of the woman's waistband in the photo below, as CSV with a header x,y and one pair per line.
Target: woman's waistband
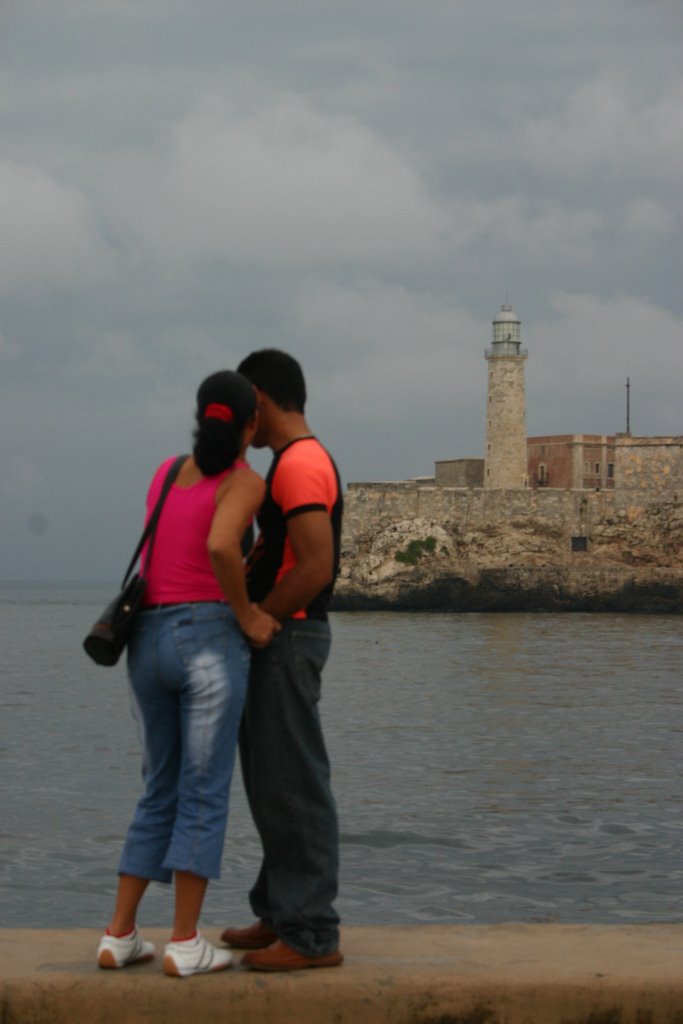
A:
x,y
164,605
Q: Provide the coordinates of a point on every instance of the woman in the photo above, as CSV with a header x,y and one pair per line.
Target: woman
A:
x,y
188,663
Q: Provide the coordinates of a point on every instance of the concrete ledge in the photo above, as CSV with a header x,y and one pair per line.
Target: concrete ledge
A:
x,y
506,974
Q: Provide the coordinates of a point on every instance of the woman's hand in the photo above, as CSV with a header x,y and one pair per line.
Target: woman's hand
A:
x,y
259,627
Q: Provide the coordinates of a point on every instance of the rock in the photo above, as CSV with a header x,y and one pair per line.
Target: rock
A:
x,y
634,562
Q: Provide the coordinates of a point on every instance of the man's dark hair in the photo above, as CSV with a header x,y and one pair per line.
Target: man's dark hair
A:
x,y
278,375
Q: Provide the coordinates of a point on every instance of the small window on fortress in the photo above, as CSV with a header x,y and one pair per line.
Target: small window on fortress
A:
x,y
610,470
579,543
597,469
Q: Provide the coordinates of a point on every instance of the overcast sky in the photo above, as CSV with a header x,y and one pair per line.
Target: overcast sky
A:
x,y
361,183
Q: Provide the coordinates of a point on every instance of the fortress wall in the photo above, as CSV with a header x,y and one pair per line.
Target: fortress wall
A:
x,y
647,471
648,468
638,522
459,473
377,505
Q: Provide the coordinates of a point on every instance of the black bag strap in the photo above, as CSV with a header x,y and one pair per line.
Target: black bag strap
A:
x,y
151,524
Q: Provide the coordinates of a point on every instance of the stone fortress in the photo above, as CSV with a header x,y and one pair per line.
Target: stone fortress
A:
x,y
565,522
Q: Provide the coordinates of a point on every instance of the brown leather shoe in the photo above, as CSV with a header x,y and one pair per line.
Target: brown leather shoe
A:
x,y
280,957
256,936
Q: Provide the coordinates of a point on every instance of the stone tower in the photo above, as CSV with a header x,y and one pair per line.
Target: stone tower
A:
x,y
505,462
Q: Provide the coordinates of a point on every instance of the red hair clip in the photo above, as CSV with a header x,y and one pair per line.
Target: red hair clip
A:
x,y
217,411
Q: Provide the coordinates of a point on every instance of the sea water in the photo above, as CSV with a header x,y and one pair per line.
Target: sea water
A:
x,y
487,768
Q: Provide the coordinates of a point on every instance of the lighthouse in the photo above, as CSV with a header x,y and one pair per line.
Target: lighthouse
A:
x,y
505,461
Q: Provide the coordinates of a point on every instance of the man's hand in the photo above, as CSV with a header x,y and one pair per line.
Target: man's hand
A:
x,y
259,627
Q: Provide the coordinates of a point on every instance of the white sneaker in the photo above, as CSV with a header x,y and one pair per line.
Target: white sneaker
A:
x,y
115,952
194,956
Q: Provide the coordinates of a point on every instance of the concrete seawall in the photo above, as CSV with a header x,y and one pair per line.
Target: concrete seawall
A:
x,y
503,974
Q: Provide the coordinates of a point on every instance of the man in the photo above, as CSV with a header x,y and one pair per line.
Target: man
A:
x,y
286,771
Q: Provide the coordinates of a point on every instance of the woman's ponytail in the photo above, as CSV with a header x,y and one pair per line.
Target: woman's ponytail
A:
x,y
225,404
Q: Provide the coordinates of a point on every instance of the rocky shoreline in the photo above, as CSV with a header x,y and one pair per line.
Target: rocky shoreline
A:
x,y
511,589
407,548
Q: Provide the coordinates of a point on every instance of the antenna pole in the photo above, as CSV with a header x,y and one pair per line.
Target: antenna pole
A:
x,y
628,405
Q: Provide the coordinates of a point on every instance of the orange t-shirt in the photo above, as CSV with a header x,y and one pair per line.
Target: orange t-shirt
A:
x,y
302,478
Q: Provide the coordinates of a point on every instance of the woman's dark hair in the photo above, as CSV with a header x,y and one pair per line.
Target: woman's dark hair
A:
x,y
278,375
225,404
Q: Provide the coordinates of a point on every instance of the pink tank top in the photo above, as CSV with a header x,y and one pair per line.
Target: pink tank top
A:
x,y
180,569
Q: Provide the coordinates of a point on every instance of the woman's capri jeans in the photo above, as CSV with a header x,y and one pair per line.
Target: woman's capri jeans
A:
x,y
188,666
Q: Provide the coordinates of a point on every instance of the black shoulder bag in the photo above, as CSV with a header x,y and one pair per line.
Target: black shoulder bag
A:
x,y
108,637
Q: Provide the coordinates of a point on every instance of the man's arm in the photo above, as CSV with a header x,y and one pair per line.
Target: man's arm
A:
x,y
310,535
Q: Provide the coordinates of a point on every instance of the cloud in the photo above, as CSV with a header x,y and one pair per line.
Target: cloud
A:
x,y
277,183
361,184
611,127
391,363
22,477
536,231
8,350
587,349
48,239
109,354
647,220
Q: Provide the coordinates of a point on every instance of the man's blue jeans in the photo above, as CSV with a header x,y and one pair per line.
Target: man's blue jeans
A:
x,y
188,666
287,778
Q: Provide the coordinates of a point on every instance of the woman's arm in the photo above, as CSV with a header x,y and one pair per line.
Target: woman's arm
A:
x,y
238,501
